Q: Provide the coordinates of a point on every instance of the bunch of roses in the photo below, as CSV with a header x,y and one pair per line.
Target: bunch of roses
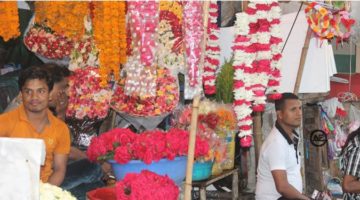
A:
x,y
123,145
146,185
43,41
166,99
86,97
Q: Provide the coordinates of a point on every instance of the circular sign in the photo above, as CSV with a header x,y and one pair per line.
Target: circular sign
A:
x,y
318,138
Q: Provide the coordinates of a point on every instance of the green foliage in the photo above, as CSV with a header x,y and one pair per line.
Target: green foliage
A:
x,y
224,83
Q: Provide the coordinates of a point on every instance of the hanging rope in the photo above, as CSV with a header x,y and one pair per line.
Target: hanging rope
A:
x,y
292,26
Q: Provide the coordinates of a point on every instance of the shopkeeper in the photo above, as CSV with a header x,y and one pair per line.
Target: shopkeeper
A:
x,y
33,119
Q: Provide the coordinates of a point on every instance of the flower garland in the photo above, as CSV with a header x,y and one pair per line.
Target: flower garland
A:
x,y
52,192
146,185
110,38
144,18
169,51
259,13
165,100
65,18
276,46
86,97
43,41
193,26
9,20
244,57
212,50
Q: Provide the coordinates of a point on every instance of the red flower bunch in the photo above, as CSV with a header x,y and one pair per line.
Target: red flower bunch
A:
x,y
146,185
166,99
43,41
123,145
86,97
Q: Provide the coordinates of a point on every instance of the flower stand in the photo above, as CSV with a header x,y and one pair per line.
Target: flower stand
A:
x,y
175,169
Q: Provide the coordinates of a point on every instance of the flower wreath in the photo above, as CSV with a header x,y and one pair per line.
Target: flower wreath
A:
x,y
319,19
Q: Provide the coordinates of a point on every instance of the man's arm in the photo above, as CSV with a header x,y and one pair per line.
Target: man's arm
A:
x,y
77,154
59,169
283,186
351,184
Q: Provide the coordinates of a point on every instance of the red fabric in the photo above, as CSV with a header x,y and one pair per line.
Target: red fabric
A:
x,y
336,88
107,193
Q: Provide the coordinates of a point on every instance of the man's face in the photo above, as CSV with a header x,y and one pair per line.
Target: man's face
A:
x,y
35,95
291,113
60,88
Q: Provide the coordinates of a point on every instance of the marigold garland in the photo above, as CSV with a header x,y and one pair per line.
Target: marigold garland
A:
x,y
110,37
9,20
66,18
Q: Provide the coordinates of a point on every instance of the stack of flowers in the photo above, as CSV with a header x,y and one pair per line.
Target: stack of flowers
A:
x,y
166,99
123,145
52,192
43,41
86,97
212,51
169,49
9,20
146,185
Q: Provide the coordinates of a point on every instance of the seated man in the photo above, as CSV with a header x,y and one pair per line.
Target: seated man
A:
x,y
33,119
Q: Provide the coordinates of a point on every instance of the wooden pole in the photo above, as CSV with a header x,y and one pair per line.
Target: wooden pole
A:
x,y
258,140
302,61
190,158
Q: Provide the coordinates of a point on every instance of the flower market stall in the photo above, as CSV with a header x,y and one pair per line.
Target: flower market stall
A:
x,y
138,61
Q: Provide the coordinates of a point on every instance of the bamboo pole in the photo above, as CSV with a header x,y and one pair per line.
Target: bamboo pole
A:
x,y
302,61
195,109
190,158
258,140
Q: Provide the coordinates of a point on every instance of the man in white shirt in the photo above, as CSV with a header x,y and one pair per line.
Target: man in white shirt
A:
x,y
278,173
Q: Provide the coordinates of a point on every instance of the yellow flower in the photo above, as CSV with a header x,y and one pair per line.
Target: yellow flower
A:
x,y
9,15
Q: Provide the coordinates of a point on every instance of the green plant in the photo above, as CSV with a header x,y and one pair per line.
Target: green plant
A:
x,y
224,83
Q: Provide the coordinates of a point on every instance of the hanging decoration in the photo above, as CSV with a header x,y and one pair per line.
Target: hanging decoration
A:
x,y
169,50
110,38
9,20
212,50
65,18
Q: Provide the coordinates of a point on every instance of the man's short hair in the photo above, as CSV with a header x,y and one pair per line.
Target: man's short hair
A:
x,y
35,72
279,103
57,73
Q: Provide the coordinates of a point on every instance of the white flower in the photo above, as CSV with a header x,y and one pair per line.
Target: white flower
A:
x,y
52,192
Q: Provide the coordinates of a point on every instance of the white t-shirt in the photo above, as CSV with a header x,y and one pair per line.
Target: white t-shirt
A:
x,y
277,153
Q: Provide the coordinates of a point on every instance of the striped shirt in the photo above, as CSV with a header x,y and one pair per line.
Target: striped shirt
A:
x,y
351,164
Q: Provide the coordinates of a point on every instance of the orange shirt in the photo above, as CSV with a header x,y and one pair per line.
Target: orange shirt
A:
x,y
55,135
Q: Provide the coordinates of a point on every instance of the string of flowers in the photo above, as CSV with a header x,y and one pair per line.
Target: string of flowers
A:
x,y
65,18
9,20
276,46
193,26
169,50
260,41
110,38
212,50
244,56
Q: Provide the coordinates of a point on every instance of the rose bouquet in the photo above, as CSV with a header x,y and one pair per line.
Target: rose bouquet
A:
x,y
123,145
41,40
146,185
166,99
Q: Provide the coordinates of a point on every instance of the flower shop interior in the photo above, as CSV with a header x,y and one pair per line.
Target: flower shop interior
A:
x,y
174,99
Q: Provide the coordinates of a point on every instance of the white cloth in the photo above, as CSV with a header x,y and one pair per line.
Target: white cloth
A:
x,y
276,154
20,161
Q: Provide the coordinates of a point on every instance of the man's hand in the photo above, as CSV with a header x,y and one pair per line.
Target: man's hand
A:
x,y
77,154
351,184
283,186
59,169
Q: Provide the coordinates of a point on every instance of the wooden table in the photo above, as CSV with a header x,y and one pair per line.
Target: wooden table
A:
x,y
235,182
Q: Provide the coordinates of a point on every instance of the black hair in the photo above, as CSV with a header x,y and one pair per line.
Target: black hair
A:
x,y
35,72
279,103
57,73
350,137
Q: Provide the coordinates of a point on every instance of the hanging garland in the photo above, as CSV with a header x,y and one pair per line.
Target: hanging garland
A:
x,y
65,18
9,20
110,38
212,50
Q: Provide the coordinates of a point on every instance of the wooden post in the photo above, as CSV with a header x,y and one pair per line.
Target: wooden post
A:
x,y
190,158
302,61
258,140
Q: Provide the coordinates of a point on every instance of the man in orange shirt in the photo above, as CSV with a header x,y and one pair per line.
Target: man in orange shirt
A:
x,y
33,119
